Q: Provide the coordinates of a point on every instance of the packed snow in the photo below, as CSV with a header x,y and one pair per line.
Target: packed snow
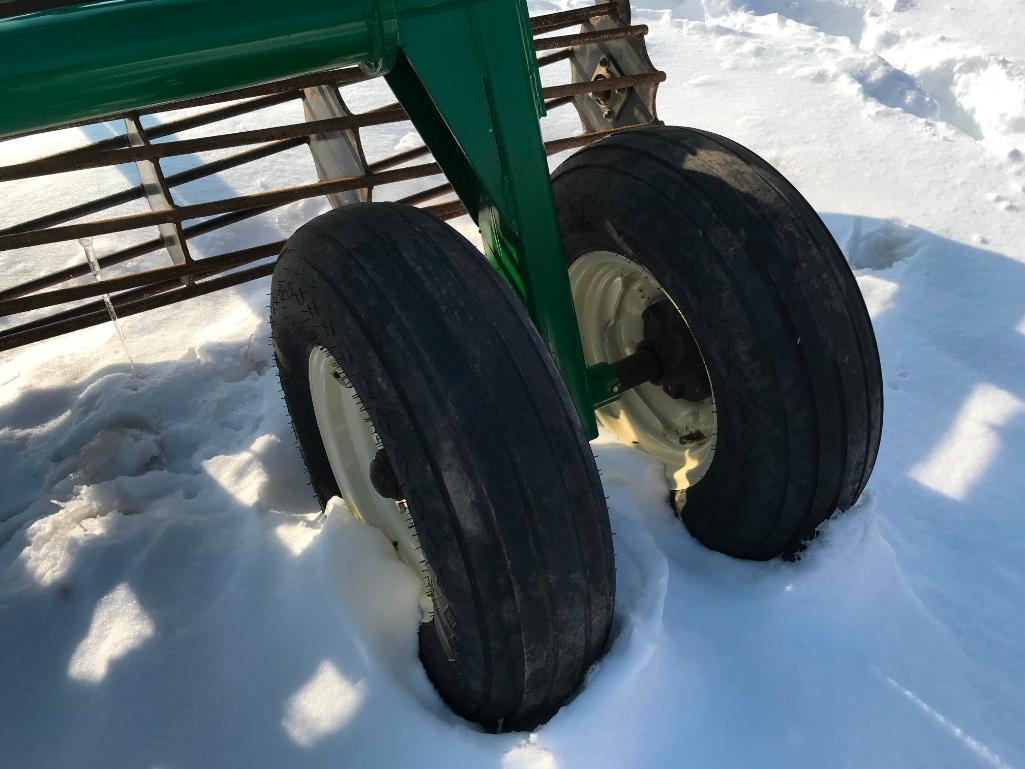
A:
x,y
171,596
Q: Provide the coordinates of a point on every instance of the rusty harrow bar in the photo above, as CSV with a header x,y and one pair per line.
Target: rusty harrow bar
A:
x,y
613,87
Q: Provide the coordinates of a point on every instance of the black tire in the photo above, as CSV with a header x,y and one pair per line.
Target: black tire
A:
x,y
497,473
779,319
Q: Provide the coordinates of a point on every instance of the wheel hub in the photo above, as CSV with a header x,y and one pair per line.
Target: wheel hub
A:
x,y
668,408
361,467
681,371
382,477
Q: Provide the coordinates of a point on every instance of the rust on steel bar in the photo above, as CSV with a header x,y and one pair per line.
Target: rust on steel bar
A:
x,y
182,177
448,210
587,38
198,268
20,335
202,144
396,106
272,198
98,308
610,84
171,127
425,195
129,253
225,205
552,21
74,212
553,58
161,130
562,101
221,113
216,166
240,138
572,142
338,77
150,289
163,286
399,158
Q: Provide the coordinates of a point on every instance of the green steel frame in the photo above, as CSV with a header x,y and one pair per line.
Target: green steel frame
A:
x,y
464,70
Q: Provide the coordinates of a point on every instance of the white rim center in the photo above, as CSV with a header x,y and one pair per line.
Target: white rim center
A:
x,y
351,443
611,293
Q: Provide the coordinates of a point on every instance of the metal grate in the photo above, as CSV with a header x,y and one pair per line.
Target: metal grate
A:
x,y
605,35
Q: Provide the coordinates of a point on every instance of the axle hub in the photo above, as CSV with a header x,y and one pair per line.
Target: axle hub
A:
x,y
667,356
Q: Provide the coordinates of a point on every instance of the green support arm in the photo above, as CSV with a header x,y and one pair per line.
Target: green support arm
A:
x,y
467,76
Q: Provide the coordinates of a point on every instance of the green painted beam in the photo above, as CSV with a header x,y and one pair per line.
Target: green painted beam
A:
x,y
86,61
467,76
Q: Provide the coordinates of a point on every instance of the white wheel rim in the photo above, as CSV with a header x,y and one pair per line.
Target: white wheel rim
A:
x,y
351,443
610,293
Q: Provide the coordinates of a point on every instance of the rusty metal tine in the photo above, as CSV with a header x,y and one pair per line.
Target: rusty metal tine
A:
x,y
399,158
225,205
560,145
454,208
448,210
556,103
553,58
111,143
424,195
167,292
611,84
201,144
174,180
75,212
216,166
141,300
588,38
221,113
127,254
337,77
198,268
182,124
552,21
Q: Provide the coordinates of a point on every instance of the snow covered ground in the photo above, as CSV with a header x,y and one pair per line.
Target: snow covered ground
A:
x,y
170,596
